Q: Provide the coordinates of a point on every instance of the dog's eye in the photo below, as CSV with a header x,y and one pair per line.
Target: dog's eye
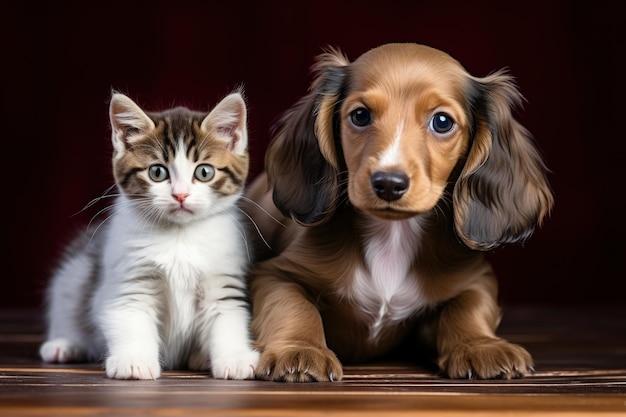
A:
x,y
442,123
361,117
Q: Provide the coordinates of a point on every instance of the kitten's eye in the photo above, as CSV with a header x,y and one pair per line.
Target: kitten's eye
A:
x,y
442,123
204,172
361,117
158,173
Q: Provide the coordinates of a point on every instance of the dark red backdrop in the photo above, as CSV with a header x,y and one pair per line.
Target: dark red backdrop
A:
x,y
60,61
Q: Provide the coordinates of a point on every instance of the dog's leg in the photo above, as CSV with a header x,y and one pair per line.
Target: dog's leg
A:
x,y
290,334
466,342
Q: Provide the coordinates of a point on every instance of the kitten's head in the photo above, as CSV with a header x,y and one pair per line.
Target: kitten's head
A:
x,y
179,165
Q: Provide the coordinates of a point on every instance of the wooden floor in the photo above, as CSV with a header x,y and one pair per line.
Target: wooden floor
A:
x,y
580,358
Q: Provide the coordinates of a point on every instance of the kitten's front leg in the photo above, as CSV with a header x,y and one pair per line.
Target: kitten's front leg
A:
x,y
232,356
133,341
224,338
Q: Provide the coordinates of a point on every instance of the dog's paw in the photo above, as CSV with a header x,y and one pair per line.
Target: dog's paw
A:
x,y
486,359
235,365
299,363
61,351
120,367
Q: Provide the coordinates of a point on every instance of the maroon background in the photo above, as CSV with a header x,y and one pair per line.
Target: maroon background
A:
x,y
60,61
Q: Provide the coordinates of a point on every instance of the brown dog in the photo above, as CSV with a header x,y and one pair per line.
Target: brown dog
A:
x,y
383,186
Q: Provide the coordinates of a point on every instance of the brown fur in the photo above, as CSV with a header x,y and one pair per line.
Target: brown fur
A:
x,y
480,186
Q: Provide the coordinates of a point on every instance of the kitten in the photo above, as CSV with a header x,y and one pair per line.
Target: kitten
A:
x,y
161,282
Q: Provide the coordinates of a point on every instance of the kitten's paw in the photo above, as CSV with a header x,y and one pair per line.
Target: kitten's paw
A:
x,y
299,363
235,365
119,367
61,351
485,359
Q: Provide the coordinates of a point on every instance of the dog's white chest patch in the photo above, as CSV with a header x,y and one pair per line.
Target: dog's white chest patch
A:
x,y
386,289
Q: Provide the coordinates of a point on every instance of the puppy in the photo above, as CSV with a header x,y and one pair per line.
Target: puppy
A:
x,y
383,186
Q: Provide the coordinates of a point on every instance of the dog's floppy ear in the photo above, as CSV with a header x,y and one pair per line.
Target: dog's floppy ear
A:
x,y
302,160
502,192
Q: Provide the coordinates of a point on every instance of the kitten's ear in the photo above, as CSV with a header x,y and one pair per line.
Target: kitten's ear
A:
x,y
127,119
228,120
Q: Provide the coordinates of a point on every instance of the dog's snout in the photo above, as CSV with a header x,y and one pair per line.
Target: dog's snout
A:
x,y
390,186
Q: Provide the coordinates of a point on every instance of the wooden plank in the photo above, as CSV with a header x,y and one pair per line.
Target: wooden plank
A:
x,y
580,358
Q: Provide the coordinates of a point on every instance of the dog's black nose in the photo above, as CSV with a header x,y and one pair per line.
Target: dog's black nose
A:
x,y
390,186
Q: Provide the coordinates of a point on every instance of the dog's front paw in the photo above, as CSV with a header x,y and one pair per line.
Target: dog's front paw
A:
x,y
299,363
485,359
235,365
120,367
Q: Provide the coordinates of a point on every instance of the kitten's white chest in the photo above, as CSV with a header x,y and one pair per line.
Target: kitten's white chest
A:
x,y
181,258
179,254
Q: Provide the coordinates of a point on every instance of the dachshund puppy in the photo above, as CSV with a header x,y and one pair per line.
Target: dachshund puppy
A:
x,y
383,187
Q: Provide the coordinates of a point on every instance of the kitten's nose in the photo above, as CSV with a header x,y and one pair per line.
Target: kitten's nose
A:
x,y
390,186
181,197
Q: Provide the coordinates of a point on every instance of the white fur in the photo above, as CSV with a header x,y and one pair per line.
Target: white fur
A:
x,y
180,171
392,155
387,289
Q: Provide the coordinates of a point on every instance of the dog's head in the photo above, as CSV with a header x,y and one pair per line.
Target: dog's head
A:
x,y
398,127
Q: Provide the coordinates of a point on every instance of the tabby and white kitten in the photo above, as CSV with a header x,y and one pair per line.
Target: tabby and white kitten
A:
x,y
161,282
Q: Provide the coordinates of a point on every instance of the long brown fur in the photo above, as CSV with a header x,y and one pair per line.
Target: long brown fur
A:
x,y
375,228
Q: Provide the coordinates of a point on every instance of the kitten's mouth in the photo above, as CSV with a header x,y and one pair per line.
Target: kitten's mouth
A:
x,y
181,210
181,215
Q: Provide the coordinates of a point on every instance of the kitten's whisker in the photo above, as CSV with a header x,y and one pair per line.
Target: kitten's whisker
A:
x,y
242,233
263,210
104,195
95,216
256,227
148,212
97,228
